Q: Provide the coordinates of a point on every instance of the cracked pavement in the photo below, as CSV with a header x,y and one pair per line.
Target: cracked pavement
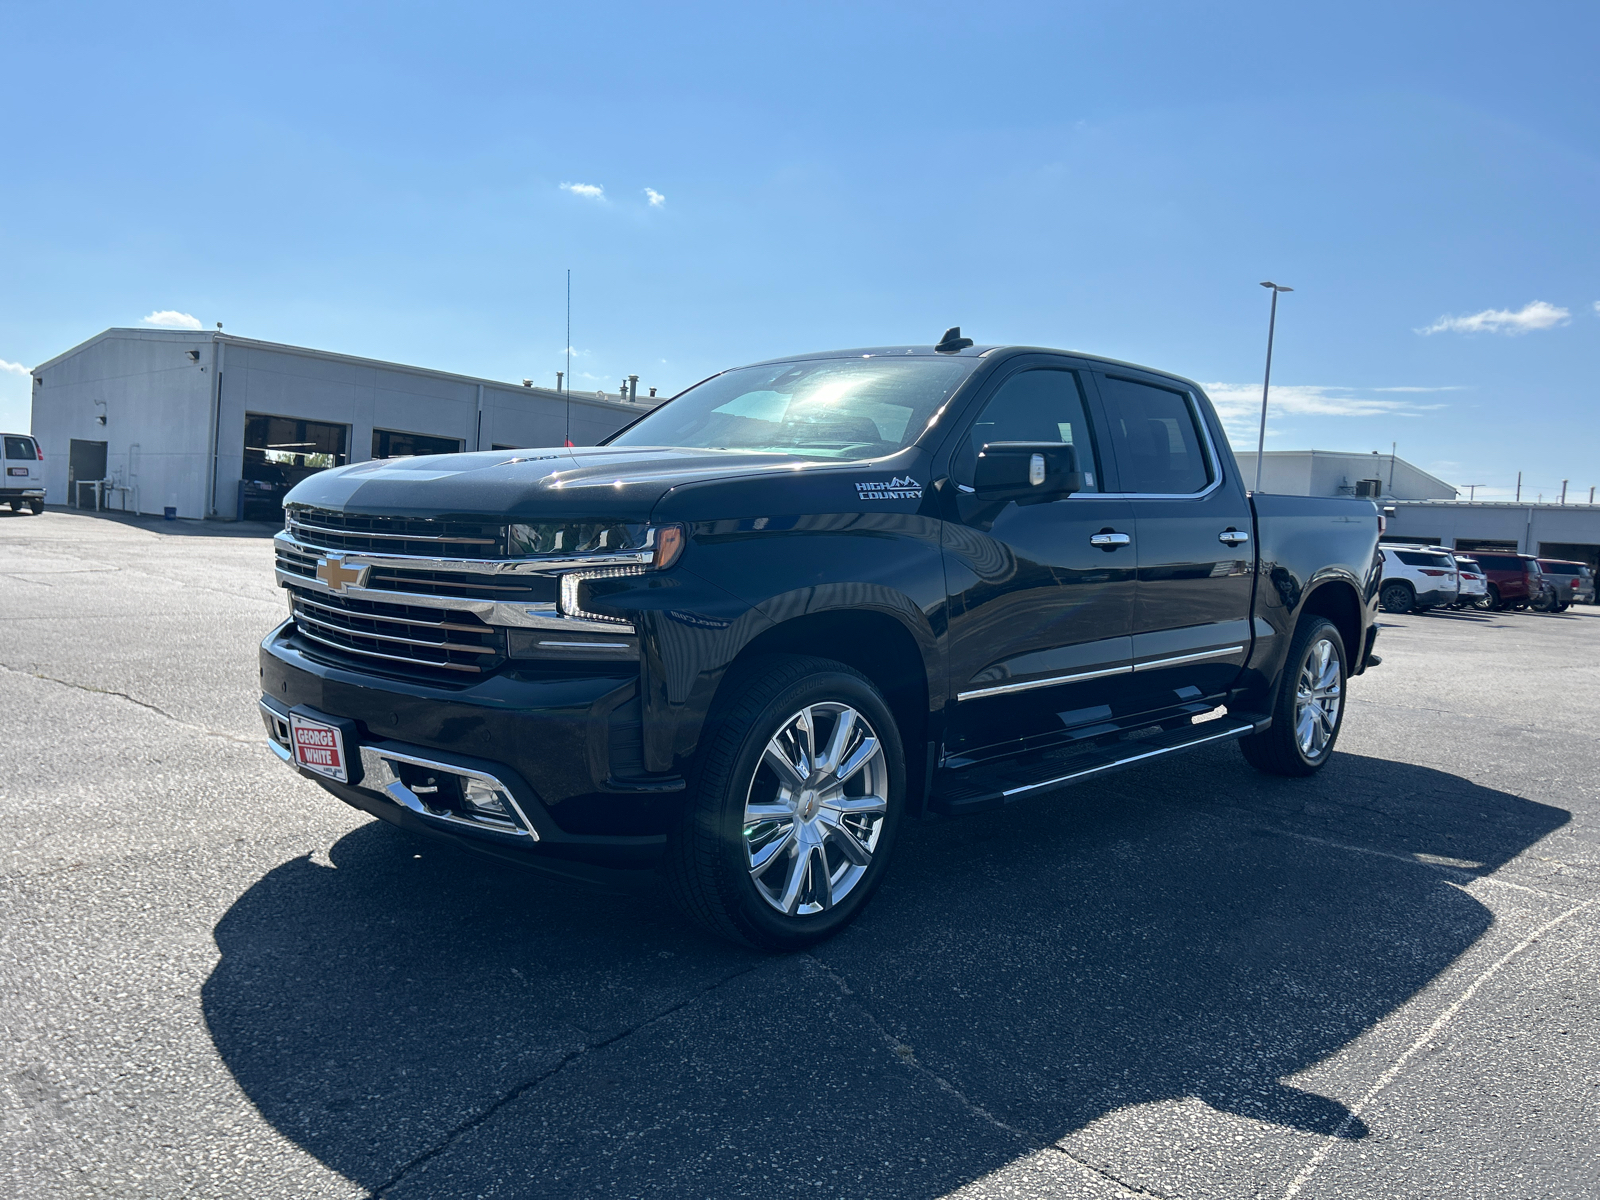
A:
x,y
1188,980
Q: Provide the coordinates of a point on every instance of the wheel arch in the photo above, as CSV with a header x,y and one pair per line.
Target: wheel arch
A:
x,y
1340,602
881,648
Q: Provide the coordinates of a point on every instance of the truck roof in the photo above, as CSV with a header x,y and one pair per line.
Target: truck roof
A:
x,y
977,351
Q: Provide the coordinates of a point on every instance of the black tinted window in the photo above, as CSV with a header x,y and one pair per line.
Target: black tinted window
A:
x,y
1560,568
1414,558
1156,439
1499,562
392,443
1034,406
19,447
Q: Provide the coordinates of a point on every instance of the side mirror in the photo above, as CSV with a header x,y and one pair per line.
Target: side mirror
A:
x,y
1026,471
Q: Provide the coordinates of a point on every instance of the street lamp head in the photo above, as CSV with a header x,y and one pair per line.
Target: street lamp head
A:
x,y
1275,287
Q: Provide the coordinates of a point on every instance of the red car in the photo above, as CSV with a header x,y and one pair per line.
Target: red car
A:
x,y
1514,579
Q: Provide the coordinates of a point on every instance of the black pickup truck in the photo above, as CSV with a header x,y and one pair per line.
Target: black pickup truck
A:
x,y
804,601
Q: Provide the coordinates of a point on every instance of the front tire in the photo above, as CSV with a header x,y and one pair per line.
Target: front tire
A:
x,y
797,793
1490,600
1309,711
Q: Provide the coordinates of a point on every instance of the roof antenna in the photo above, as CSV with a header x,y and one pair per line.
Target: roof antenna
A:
x,y
952,341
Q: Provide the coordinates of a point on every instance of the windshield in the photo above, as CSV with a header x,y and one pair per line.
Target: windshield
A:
x,y
845,408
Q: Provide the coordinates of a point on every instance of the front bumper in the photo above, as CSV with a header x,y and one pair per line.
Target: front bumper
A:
x,y
550,739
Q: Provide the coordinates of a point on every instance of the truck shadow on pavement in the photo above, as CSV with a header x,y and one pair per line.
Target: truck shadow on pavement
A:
x,y
428,1024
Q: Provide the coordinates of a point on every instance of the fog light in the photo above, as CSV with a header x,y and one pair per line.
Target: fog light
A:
x,y
484,799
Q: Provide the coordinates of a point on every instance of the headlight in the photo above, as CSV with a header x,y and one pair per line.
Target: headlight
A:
x,y
575,537
665,543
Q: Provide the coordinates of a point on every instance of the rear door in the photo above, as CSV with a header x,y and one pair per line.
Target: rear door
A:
x,y
1192,530
23,468
1041,594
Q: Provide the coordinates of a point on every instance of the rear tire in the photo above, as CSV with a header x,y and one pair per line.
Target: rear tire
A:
x,y
789,825
1309,711
36,507
1396,598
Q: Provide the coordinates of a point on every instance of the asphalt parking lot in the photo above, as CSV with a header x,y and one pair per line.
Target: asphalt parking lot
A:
x,y
1189,980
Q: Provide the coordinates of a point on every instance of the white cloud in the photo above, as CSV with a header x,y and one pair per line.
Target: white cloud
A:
x,y
13,368
171,319
1239,404
1454,387
589,191
1535,315
656,198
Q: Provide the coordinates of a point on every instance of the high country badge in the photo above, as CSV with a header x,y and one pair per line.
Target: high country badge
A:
x,y
898,488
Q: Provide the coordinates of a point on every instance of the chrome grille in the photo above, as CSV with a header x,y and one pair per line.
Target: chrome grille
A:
x,y
445,640
357,532
460,584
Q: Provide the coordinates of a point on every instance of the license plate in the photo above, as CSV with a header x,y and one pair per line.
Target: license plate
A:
x,y
16,470
318,747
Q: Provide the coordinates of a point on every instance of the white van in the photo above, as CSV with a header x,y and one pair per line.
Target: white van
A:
x,y
23,485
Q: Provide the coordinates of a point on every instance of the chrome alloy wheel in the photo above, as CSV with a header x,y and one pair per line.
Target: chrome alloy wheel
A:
x,y
815,808
1318,695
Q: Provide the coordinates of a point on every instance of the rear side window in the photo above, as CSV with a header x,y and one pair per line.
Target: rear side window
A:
x,y
1156,436
1500,562
1043,405
20,447
1560,568
1414,558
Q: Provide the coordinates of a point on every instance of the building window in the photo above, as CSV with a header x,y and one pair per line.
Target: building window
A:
x,y
392,443
278,453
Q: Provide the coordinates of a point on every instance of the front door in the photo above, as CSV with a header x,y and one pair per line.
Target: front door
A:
x,y
1192,527
1041,594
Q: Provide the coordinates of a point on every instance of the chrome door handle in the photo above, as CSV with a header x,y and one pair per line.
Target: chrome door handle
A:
x,y
1233,537
1105,540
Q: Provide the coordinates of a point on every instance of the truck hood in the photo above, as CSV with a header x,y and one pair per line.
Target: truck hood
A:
x,y
581,481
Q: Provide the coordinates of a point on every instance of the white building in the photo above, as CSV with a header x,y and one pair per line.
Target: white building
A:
x,y
1423,509
1570,531
1338,473
212,425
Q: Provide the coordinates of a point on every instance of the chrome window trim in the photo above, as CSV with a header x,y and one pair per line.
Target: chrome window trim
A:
x,y
1213,460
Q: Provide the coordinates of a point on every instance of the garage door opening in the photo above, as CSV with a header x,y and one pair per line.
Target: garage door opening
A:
x,y
393,443
278,453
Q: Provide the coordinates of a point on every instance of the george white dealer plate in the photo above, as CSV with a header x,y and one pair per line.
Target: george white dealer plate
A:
x,y
318,747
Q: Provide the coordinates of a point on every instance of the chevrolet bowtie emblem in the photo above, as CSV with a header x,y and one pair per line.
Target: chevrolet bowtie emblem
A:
x,y
337,576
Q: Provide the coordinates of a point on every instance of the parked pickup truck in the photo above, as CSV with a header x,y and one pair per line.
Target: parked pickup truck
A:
x,y
749,636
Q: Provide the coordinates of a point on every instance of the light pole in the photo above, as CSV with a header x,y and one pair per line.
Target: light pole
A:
x,y
1472,490
1272,325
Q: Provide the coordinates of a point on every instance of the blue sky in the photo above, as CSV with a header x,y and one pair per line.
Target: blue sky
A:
x,y
1117,178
